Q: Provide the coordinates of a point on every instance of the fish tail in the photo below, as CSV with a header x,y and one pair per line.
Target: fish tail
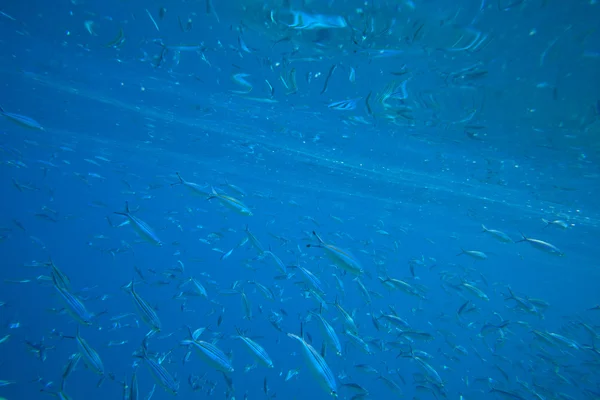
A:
x,y
129,286
181,181
484,228
213,195
124,212
546,222
524,238
462,251
511,295
109,221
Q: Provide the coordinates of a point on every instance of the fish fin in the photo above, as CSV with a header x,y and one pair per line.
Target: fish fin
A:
x,y
323,349
318,237
525,238
511,295
124,212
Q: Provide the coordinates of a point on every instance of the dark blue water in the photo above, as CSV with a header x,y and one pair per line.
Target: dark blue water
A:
x,y
393,129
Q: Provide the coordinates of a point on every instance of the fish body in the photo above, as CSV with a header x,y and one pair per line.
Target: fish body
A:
x,y
75,307
476,291
254,241
306,21
330,333
312,280
257,350
344,105
478,255
318,366
211,354
498,235
543,246
22,120
231,202
340,257
133,388
146,312
160,374
194,188
559,223
140,227
90,356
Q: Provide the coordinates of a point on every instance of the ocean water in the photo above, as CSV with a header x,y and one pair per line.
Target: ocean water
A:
x,y
390,130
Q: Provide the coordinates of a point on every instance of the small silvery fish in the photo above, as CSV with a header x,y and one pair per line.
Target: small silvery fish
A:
x,y
90,356
341,258
75,307
233,203
140,227
500,236
478,255
543,246
146,312
256,350
192,187
329,333
160,374
22,120
345,105
318,366
211,353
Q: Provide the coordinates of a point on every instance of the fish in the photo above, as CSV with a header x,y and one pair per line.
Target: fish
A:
x,y
498,235
559,223
118,41
329,332
22,120
160,374
318,366
475,290
329,74
257,350
211,353
140,227
254,241
194,188
146,312
478,255
231,202
341,258
541,245
90,356
240,79
352,75
344,105
75,307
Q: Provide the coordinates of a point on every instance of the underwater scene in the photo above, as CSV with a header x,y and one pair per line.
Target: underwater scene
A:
x,y
300,199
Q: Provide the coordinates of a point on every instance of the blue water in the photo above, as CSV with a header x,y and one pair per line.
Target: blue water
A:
x,y
459,114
